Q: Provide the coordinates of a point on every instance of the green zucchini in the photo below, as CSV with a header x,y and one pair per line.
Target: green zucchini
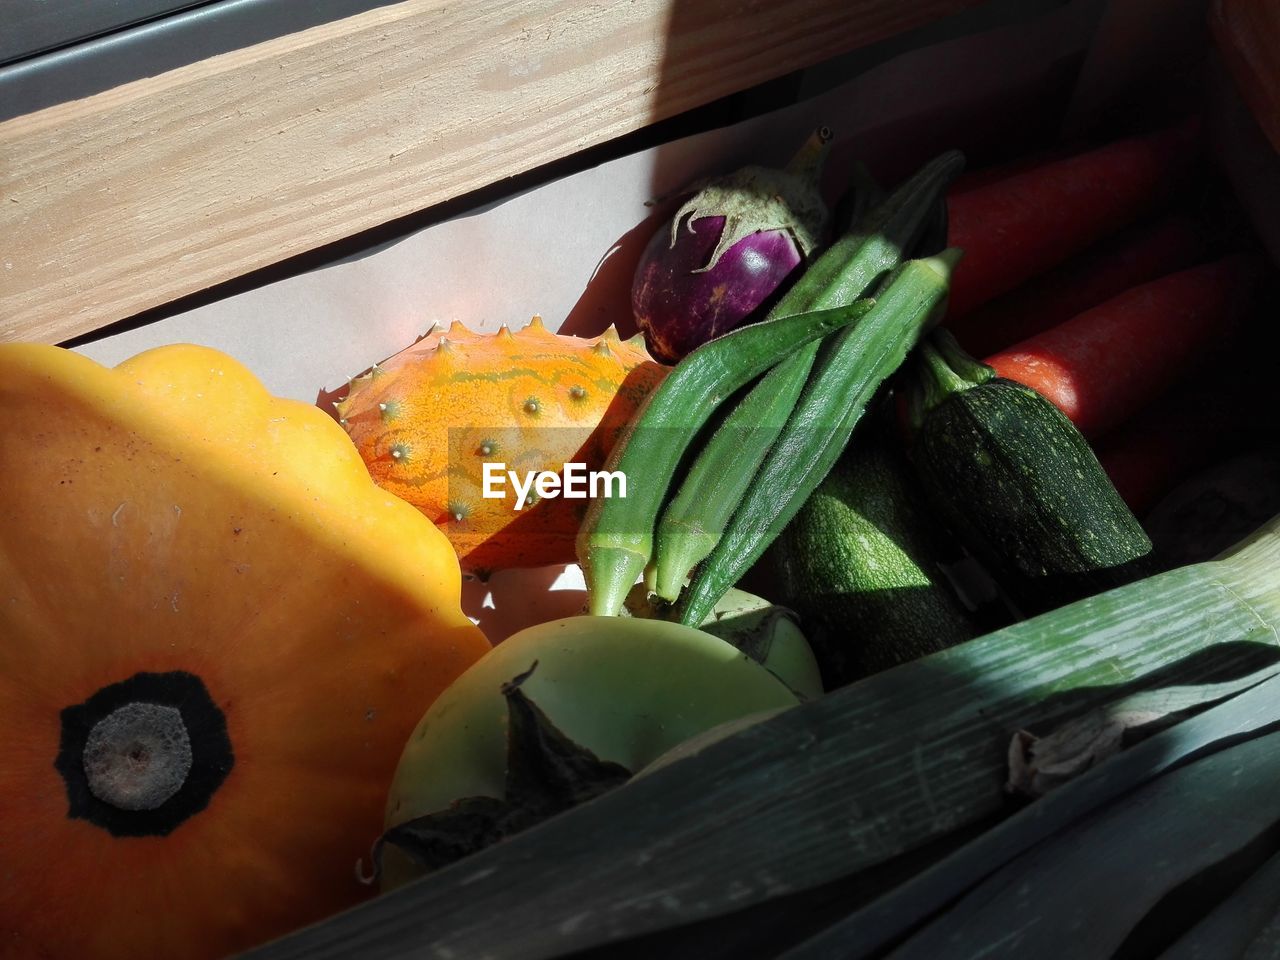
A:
x,y
1017,483
850,369
863,564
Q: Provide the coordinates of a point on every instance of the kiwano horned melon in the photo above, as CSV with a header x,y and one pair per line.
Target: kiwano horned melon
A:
x,y
427,421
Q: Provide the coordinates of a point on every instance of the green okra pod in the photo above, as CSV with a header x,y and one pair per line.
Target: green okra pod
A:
x,y
615,541
693,522
849,371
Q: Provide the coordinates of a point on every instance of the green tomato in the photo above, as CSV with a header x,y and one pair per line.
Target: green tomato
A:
x,y
768,633
628,690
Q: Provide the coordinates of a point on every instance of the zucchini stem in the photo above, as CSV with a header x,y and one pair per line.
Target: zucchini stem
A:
x,y
942,369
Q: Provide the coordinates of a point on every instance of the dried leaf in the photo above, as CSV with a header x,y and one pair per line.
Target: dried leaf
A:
x,y
1039,764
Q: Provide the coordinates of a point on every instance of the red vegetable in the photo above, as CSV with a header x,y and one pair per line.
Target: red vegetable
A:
x,y
971,179
1132,257
1105,364
1197,424
1020,227
727,250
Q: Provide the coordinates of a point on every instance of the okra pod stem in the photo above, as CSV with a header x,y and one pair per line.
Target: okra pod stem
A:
x,y
876,243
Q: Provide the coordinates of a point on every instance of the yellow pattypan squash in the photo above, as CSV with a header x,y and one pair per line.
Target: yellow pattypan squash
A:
x,y
216,634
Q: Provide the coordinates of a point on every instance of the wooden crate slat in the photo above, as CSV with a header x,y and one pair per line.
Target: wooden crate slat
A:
x,y
160,188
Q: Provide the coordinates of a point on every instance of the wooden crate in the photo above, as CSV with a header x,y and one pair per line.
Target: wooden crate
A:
x,y
134,197
141,194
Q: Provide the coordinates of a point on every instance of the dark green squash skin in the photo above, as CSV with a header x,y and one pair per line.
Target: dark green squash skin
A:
x,y
862,564
1021,488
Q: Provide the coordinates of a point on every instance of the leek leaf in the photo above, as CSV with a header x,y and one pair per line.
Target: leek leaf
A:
x,y
824,790
1081,893
1241,919
867,931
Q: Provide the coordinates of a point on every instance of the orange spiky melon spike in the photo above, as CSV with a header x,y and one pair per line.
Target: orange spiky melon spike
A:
x,y
426,420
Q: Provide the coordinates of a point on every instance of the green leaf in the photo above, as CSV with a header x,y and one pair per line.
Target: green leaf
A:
x,y
546,771
1040,764
438,839
1266,945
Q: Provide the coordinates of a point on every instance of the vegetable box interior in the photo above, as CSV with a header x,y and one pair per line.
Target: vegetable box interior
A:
x,y
566,249
1000,82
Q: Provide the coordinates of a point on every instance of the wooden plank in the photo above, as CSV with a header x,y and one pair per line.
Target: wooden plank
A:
x,y
133,197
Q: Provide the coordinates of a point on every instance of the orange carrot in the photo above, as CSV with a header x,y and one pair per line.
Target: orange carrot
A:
x,y
1019,227
1132,257
1103,365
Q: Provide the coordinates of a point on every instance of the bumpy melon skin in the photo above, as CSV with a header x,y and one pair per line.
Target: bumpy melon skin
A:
x,y
427,419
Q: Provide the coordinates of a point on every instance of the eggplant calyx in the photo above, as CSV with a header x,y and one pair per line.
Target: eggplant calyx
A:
x,y
756,199
764,632
547,773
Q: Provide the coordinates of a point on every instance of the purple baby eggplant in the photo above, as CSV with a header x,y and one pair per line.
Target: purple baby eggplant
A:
x,y
718,262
